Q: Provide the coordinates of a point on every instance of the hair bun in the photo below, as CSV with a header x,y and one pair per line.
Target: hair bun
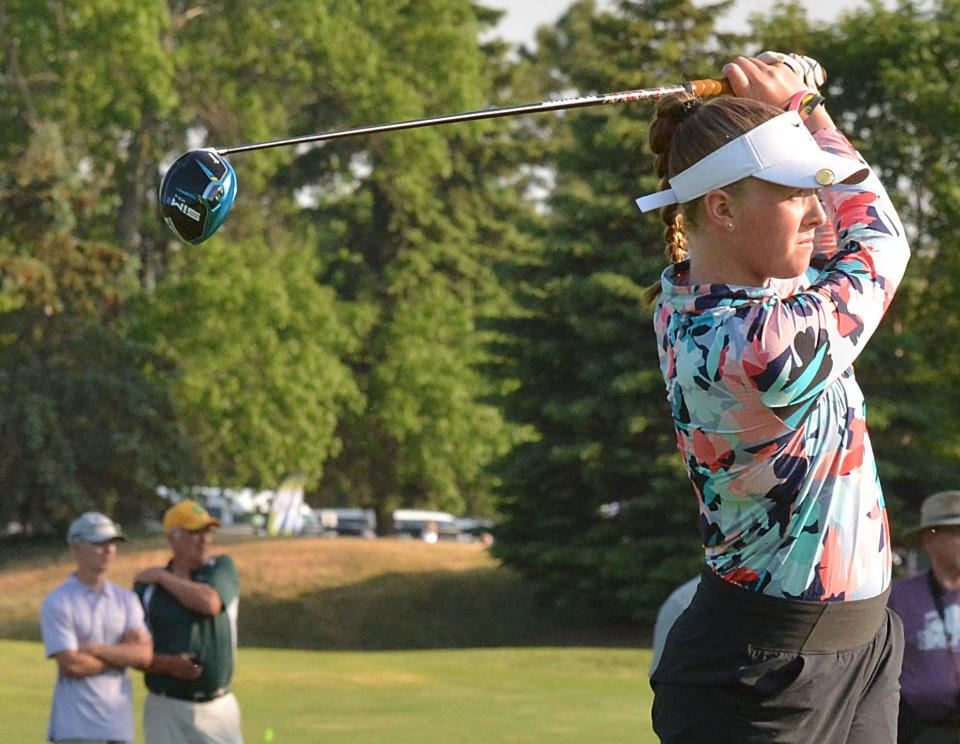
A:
x,y
688,107
671,113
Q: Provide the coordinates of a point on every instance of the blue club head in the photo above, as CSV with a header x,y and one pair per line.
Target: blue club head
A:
x,y
197,193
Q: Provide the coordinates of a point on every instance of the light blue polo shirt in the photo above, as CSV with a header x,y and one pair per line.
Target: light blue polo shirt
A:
x,y
99,706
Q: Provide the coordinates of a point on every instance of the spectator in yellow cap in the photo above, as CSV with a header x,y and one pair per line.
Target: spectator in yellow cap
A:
x,y
191,608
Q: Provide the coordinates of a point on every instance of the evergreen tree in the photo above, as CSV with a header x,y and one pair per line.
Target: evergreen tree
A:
x,y
410,226
598,508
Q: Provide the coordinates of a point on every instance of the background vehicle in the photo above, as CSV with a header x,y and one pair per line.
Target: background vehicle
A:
x,y
348,522
472,529
429,526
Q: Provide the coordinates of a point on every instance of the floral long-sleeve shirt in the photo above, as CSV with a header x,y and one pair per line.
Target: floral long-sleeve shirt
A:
x,y
770,420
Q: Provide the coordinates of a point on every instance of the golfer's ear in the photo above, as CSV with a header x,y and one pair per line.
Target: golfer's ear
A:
x,y
718,209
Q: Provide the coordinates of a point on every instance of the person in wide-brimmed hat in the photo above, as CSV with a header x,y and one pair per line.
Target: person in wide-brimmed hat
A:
x,y
929,605
939,510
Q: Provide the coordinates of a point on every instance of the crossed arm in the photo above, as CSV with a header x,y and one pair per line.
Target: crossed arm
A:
x,y
197,597
194,595
181,666
135,649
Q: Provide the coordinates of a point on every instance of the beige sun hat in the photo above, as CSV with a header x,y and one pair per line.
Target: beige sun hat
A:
x,y
938,510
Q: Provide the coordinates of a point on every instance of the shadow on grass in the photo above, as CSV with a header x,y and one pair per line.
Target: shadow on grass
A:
x,y
470,609
20,630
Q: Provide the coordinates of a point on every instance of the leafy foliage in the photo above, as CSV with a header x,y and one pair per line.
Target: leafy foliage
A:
x,y
81,426
255,346
897,100
424,318
410,226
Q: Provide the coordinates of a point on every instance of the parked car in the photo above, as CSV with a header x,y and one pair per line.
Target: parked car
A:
x,y
348,522
473,529
429,526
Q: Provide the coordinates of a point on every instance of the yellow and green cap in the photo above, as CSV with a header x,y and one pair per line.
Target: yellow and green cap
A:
x,y
188,515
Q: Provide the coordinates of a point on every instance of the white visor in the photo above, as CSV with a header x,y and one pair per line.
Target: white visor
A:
x,y
780,151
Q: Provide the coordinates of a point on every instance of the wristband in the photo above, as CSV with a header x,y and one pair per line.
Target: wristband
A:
x,y
804,102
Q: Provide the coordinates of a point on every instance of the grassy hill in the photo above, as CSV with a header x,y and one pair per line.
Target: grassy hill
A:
x,y
380,641
338,594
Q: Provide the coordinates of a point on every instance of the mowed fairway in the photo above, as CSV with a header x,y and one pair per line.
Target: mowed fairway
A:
x,y
470,695
468,653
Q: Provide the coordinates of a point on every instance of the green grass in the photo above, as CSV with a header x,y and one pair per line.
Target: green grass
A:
x,y
513,696
370,641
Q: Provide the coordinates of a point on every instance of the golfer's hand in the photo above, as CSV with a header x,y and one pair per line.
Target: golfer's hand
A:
x,y
183,666
773,84
809,70
149,576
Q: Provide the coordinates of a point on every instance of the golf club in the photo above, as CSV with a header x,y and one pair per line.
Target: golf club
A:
x,y
198,190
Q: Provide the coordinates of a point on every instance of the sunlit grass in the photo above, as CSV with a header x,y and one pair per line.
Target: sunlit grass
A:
x,y
346,594
380,641
508,696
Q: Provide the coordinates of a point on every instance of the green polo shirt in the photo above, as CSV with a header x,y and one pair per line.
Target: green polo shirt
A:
x,y
176,630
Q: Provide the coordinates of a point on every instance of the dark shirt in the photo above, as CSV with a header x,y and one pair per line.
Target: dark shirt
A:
x,y
211,639
929,680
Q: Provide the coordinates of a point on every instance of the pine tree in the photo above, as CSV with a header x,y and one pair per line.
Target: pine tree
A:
x,y
410,226
598,508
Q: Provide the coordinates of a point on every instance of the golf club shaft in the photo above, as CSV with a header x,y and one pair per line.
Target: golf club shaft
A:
x,y
700,88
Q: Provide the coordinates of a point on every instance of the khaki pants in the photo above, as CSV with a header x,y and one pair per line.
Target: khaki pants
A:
x,y
171,721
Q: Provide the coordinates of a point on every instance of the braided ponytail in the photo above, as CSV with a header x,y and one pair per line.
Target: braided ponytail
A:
x,y
671,113
674,236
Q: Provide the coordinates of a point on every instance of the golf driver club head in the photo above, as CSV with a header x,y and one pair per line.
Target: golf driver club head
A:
x,y
196,194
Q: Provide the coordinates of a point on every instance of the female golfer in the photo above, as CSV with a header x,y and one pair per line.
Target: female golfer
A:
x,y
786,253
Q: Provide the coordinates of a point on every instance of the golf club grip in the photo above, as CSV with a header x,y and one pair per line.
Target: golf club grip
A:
x,y
704,88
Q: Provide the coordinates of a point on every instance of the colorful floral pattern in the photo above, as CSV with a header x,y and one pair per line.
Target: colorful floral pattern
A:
x,y
770,420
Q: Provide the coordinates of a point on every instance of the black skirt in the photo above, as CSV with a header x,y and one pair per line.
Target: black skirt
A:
x,y
739,666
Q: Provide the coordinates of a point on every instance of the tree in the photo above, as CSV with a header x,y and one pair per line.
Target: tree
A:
x,y
181,74
81,426
897,102
598,508
409,226
256,348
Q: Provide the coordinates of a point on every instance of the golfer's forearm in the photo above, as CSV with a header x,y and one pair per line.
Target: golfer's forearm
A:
x,y
137,655
820,119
